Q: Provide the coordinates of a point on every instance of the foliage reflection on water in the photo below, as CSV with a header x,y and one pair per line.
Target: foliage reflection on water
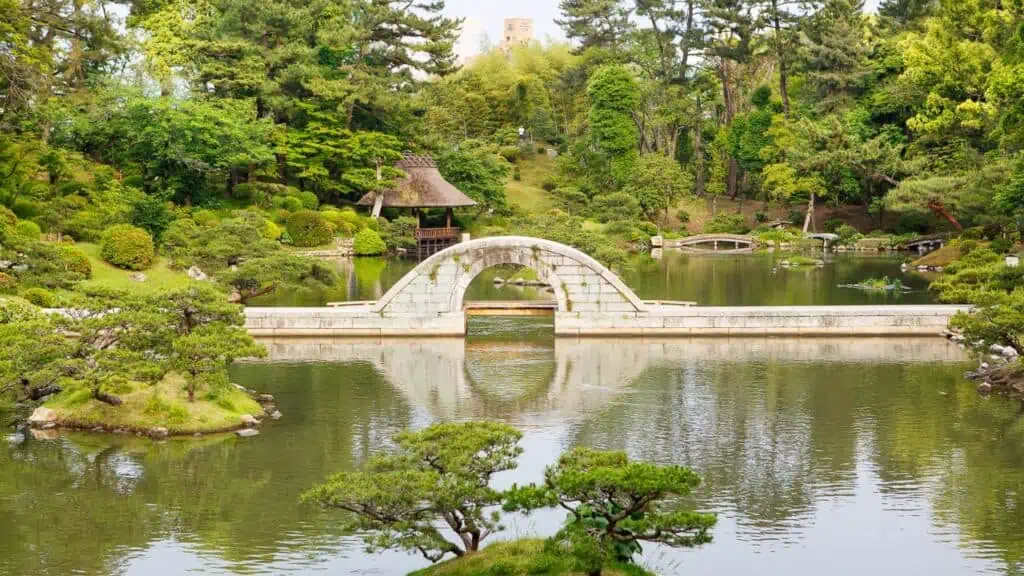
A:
x,y
813,452
739,280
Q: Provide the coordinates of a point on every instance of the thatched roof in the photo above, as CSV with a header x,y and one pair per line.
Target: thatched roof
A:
x,y
422,187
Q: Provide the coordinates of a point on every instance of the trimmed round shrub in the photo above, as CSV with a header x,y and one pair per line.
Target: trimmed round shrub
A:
x,y
27,208
7,281
205,217
307,228
8,217
270,230
510,153
549,184
128,247
40,297
968,246
291,204
352,218
369,243
74,260
309,200
28,229
280,216
648,228
1000,246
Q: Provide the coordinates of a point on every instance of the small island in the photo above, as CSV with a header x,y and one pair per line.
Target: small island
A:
x,y
150,364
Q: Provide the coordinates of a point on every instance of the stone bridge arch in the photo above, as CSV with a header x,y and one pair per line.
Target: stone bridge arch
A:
x,y
438,285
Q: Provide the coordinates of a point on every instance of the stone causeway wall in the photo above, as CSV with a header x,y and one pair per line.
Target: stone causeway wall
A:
x,y
592,301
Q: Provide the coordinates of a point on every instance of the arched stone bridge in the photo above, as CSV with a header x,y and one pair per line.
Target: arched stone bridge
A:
x,y
737,243
581,284
591,301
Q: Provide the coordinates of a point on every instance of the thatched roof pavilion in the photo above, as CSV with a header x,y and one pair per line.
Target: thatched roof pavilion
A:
x,y
422,187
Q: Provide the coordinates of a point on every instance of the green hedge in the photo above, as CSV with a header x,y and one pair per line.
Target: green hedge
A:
x,y
74,260
369,243
307,229
291,204
309,200
28,229
126,246
40,297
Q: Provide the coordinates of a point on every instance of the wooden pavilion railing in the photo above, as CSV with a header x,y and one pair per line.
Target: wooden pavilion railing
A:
x,y
438,233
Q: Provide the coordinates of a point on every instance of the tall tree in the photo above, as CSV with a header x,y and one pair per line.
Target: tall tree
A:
x,y
834,51
595,23
782,19
731,31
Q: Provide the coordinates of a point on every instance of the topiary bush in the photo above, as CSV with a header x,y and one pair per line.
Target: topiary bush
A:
x,y
1000,246
967,246
510,153
549,184
615,206
270,230
205,217
128,247
848,235
309,200
307,229
648,228
369,243
40,297
74,260
291,204
7,217
28,229
727,224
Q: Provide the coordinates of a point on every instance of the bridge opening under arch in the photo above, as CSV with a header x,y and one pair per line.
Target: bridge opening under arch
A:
x,y
509,301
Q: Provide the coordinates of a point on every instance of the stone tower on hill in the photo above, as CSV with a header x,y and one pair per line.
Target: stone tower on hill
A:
x,y
516,32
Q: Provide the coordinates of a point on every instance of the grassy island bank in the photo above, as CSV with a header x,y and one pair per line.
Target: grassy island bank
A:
x,y
164,405
520,558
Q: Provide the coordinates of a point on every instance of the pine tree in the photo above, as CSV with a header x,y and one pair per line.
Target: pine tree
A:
x,y
595,23
731,28
834,51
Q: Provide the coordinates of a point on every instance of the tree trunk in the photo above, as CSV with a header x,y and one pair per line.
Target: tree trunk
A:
x,y
730,113
940,209
37,393
780,52
810,214
698,156
106,398
732,183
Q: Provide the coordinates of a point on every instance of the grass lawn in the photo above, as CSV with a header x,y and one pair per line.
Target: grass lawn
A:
x,y
519,558
942,257
159,276
527,193
145,407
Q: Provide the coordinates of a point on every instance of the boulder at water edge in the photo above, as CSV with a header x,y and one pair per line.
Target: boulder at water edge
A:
x,y
247,433
41,417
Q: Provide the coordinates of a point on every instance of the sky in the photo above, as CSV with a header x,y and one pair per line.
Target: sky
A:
x,y
485,17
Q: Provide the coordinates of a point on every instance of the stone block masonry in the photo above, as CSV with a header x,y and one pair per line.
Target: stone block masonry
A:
x,y
592,301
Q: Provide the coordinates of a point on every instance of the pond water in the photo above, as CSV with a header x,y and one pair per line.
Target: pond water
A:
x,y
827,456
738,280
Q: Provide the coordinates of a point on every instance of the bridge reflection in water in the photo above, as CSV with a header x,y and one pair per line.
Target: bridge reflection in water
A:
x,y
553,379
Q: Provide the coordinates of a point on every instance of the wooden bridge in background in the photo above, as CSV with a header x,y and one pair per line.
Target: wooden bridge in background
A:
x,y
739,243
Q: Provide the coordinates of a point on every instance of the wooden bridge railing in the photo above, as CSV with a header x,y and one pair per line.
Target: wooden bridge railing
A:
x,y
438,233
